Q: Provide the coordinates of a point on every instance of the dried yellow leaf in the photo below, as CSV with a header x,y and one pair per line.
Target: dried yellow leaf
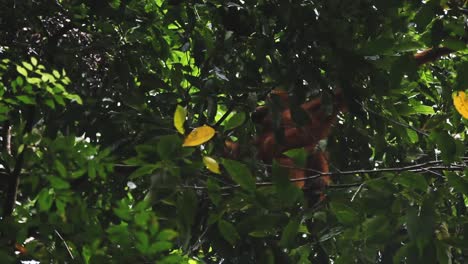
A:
x,y
179,119
461,103
199,136
211,164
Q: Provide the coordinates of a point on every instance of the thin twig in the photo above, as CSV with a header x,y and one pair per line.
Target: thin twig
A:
x,y
405,168
344,185
228,112
357,191
431,166
65,243
8,138
199,241
392,120
433,172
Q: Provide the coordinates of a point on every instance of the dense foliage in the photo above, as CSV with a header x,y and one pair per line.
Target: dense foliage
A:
x,y
88,91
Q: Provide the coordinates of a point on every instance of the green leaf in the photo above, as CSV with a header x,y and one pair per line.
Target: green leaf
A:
x,y
59,99
344,213
214,191
27,65
420,223
50,103
287,192
34,80
299,156
290,232
74,97
236,120
56,74
45,199
423,109
60,168
142,242
446,144
187,206
144,170
58,183
160,246
92,169
61,205
382,186
123,210
460,184
412,135
4,109
413,181
47,78
119,234
166,234
260,233
228,231
34,61
169,147
377,228
240,173
26,99
142,218
19,81
22,71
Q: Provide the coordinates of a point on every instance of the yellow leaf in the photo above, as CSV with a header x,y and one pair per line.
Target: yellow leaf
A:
x,y
461,103
211,164
199,136
179,119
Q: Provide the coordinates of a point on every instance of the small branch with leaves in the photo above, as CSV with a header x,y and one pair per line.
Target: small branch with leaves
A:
x,y
430,166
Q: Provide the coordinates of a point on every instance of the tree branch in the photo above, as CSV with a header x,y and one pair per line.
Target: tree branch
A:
x,y
431,54
14,177
430,166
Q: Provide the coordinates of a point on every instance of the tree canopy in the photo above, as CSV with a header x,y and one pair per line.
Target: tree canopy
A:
x,y
114,118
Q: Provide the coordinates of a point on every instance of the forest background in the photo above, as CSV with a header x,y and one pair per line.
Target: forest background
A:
x,y
98,97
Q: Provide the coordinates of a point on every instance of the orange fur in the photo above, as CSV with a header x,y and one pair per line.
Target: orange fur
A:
x,y
431,54
307,136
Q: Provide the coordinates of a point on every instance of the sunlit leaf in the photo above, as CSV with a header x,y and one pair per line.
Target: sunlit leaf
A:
x,y
74,97
56,74
211,164
179,119
22,70
423,109
199,136
235,121
33,61
461,103
27,65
